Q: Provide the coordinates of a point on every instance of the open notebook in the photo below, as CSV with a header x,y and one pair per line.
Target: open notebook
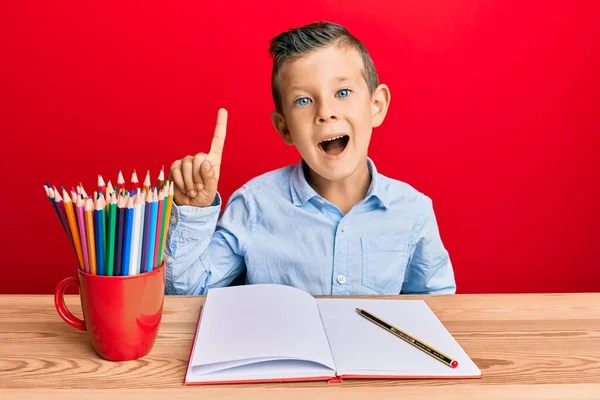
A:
x,y
269,332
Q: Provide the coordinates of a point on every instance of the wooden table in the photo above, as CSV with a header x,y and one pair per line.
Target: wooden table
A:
x,y
528,346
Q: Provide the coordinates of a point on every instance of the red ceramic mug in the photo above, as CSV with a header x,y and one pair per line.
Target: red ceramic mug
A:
x,y
121,313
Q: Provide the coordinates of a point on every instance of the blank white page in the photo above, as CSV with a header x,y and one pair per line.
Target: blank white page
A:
x,y
361,347
255,324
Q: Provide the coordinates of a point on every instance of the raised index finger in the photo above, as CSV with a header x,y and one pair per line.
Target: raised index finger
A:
x,y
218,141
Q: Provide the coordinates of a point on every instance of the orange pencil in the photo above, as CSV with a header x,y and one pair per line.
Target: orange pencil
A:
x,y
89,227
146,181
73,225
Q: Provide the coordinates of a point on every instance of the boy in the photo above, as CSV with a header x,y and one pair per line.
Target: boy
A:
x,y
330,224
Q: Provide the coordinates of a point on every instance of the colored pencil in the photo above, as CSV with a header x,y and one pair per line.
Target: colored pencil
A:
x,y
119,239
109,188
99,232
83,193
160,201
79,206
146,185
160,182
152,231
62,213
73,195
50,194
135,183
89,226
169,200
136,245
146,230
120,182
73,226
101,184
110,254
140,238
127,237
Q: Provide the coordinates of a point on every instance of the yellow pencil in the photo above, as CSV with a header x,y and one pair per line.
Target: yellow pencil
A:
x,y
168,207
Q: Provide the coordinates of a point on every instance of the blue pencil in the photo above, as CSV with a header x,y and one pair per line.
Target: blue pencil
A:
x,y
127,237
152,241
99,233
51,198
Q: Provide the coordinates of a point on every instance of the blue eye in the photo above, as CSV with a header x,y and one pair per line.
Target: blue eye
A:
x,y
343,93
303,101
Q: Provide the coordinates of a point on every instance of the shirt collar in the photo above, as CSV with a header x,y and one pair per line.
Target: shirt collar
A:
x,y
302,192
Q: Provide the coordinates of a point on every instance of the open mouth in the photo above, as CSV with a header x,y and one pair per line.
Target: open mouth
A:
x,y
335,145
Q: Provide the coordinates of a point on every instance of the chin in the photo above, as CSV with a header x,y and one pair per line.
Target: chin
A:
x,y
336,170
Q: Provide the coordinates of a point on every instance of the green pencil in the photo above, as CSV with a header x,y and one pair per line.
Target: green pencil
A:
x,y
111,235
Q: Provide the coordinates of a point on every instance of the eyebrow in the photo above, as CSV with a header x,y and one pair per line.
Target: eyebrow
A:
x,y
339,79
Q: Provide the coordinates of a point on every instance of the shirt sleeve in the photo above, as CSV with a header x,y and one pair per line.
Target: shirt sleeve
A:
x,y
430,269
205,251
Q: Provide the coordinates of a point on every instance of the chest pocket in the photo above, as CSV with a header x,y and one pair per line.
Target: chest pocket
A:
x,y
384,261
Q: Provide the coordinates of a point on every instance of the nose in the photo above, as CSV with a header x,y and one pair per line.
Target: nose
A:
x,y
326,112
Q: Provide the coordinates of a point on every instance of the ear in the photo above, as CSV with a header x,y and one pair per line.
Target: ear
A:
x,y
281,126
380,101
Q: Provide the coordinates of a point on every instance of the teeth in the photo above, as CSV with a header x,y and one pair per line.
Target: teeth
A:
x,y
332,139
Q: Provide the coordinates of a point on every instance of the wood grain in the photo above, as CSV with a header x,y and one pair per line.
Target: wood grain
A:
x,y
527,345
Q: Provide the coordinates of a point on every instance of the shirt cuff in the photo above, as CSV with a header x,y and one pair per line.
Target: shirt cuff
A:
x,y
194,218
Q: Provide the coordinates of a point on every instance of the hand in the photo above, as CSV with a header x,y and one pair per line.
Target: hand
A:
x,y
196,177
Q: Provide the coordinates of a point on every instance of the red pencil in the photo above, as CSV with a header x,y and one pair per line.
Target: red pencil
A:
x,y
135,183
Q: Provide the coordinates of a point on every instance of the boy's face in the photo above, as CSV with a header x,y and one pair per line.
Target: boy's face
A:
x,y
328,112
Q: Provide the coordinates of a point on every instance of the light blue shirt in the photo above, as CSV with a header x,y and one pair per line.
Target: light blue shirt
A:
x,y
279,230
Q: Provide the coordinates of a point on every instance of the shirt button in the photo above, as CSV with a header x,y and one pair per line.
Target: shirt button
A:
x,y
173,219
341,279
168,259
343,227
320,201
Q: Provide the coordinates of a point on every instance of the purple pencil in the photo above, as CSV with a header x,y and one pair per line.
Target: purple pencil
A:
x,y
121,204
146,230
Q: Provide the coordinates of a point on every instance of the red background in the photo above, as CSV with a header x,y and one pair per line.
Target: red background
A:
x,y
494,114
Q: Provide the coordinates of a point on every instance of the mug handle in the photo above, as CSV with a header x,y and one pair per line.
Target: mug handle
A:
x,y
61,307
